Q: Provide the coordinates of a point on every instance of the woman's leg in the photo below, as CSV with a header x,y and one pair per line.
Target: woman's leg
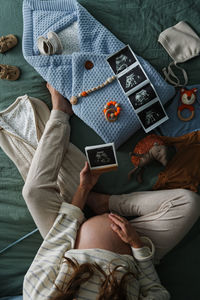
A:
x,y
41,192
165,216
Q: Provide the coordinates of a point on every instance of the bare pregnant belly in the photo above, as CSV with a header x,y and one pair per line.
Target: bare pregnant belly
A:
x,y
97,233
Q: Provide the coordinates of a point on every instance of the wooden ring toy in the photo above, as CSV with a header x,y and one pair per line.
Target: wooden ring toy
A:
x,y
186,119
111,111
110,115
187,99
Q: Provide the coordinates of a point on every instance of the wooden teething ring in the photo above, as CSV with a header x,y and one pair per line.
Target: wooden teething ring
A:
x,y
185,119
111,111
110,115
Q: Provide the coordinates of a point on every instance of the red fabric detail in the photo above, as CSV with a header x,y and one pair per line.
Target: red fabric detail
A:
x,y
185,106
144,146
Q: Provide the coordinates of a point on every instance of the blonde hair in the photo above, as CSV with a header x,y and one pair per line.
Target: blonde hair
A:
x,y
110,288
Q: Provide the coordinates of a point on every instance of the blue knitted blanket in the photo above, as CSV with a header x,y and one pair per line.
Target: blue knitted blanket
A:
x,y
67,72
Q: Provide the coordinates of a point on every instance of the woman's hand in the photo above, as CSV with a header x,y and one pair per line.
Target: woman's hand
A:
x,y
125,231
58,101
87,179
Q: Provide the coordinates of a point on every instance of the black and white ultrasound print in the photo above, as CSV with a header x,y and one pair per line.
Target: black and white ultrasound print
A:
x,y
142,96
138,88
151,115
101,156
121,60
132,78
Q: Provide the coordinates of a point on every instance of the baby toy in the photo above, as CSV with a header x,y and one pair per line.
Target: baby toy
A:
x,y
187,99
149,149
111,111
74,99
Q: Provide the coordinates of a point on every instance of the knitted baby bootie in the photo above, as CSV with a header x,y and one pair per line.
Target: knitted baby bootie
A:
x,y
9,72
50,45
7,42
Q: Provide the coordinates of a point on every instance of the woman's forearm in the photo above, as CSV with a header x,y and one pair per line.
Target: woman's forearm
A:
x,y
80,197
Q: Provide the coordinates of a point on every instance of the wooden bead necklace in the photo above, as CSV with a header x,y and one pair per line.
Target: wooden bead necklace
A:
x,y
74,99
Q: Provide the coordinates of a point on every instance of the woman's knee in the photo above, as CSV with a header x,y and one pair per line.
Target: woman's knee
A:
x,y
192,201
29,192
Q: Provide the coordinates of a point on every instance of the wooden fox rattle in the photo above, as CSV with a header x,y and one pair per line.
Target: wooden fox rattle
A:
x,y
187,99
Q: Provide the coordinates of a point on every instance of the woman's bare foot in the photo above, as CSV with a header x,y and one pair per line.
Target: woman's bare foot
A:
x,y
58,101
99,203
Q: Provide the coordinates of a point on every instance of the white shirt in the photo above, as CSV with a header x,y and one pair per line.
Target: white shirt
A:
x,y
49,268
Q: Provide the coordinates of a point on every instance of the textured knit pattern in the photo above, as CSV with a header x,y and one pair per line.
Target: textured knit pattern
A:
x,y
70,39
19,120
49,266
67,73
176,127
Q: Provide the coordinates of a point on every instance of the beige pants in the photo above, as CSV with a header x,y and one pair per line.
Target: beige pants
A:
x,y
164,216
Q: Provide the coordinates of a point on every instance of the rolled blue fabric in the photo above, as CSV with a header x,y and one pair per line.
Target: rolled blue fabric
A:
x,y
68,75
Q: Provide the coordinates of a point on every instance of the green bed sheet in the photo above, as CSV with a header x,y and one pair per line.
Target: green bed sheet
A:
x,y
137,23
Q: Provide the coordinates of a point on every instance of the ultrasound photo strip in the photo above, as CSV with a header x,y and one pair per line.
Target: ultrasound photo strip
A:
x,y
138,88
128,70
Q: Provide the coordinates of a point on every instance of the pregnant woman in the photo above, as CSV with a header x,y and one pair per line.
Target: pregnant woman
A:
x,y
106,256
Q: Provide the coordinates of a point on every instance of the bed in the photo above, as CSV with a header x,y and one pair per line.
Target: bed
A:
x,y
137,23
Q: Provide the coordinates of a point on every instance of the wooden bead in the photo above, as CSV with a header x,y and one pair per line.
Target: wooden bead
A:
x,y
73,100
89,65
109,80
84,94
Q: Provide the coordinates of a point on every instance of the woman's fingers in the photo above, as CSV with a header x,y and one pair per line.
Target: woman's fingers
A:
x,y
116,229
87,165
85,168
117,219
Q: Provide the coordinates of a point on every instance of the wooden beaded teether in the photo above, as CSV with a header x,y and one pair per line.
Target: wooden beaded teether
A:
x,y
111,111
74,99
